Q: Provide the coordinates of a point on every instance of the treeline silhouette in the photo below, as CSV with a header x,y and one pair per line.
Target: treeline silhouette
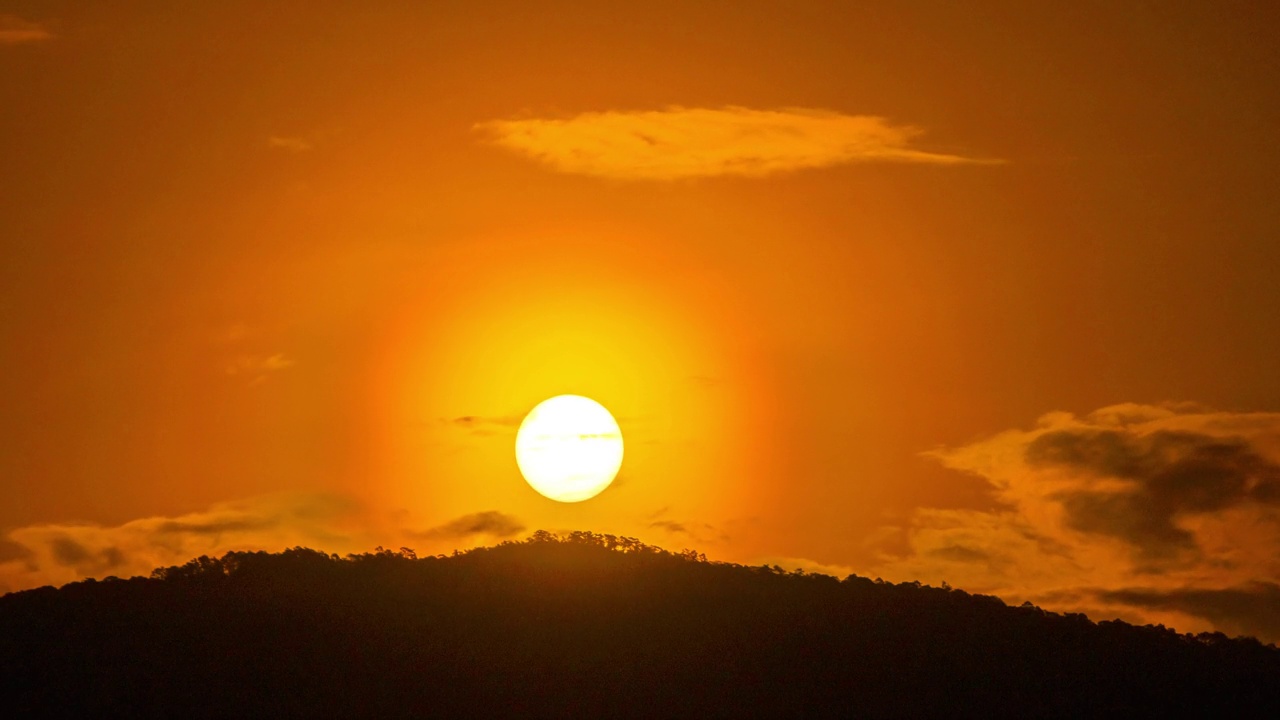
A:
x,y
586,625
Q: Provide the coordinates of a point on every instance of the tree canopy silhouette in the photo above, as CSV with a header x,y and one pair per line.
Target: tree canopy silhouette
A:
x,y
585,624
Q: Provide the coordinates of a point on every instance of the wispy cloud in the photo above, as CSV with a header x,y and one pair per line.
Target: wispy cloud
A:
x,y
705,534
1164,513
244,354
693,142
485,425
257,367
670,526
14,30
293,144
490,522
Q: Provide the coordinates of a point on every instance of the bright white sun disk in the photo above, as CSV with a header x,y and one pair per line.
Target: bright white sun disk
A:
x,y
569,448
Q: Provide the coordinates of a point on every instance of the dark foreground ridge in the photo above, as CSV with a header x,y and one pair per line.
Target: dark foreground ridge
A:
x,y
586,625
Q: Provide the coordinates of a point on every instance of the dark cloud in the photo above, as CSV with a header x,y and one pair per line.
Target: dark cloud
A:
x,y
1188,471
112,557
670,526
1184,497
1131,517
1252,609
490,522
68,552
480,425
215,527
1169,473
960,553
476,420
698,532
10,550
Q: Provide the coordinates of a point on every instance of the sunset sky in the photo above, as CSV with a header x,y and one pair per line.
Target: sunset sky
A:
x,y
985,293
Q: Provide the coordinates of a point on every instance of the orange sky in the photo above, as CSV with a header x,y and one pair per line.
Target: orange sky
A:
x,y
981,294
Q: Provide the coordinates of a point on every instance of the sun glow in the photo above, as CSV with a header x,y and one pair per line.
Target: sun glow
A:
x,y
569,448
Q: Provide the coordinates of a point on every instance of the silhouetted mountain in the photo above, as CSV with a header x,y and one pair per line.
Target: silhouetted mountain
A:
x,y
586,625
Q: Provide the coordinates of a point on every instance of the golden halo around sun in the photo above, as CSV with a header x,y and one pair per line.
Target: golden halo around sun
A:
x,y
569,448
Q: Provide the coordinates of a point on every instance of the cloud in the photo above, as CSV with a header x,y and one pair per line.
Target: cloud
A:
x,y
59,553
670,526
55,554
1252,609
682,142
10,550
71,554
479,425
1168,474
215,527
701,533
243,353
290,144
68,552
1179,501
257,367
490,522
14,30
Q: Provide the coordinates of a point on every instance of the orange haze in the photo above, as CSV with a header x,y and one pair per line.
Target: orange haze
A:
x,y
867,286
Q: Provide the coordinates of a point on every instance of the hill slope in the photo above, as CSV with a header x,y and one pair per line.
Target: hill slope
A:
x,y
584,625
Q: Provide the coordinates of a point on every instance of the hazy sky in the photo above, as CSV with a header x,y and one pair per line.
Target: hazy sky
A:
x,y
977,292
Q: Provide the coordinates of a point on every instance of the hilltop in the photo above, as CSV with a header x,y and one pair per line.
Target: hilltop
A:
x,y
585,625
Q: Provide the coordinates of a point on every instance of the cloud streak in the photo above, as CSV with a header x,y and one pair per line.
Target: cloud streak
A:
x,y
481,425
678,142
257,367
15,30
1151,513
490,522
289,143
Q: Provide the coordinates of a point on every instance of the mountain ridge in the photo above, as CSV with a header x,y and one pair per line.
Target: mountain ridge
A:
x,y
581,624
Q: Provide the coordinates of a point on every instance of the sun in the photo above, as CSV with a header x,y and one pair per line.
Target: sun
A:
x,y
569,448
